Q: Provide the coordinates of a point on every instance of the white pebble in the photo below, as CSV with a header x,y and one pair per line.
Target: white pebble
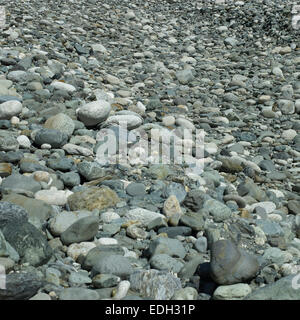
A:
x,y
289,134
53,196
23,141
122,290
109,216
106,241
46,146
14,120
77,249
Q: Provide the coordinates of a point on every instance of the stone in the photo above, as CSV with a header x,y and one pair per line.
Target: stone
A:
x,y
187,293
143,216
20,286
230,264
94,112
24,141
8,141
71,148
154,284
5,169
232,292
129,121
93,198
26,239
217,210
286,288
79,249
177,190
172,247
81,230
41,296
61,122
38,211
64,219
91,170
17,183
53,196
136,189
9,109
286,106
294,206
165,262
172,209
78,294
105,280
58,85
173,232
185,76
53,137
114,264
80,277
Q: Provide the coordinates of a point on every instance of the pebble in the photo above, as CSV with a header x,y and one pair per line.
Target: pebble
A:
x,y
9,109
94,112
232,292
230,264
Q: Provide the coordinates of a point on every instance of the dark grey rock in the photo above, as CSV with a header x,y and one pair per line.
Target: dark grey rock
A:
x,y
20,286
172,247
136,189
83,229
53,137
173,232
230,264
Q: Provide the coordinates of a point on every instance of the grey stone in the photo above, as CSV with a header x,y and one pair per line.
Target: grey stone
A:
x,y
53,137
78,294
136,189
94,112
8,141
105,280
91,170
20,286
154,284
286,288
165,262
218,210
177,190
230,264
172,247
114,264
232,292
17,183
83,229
38,211
70,179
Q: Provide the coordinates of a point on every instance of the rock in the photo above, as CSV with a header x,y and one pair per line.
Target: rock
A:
x,y
94,113
25,238
17,183
185,76
230,264
81,230
218,210
154,284
286,288
136,189
294,206
78,294
129,121
172,247
172,210
165,262
91,170
71,148
114,264
80,277
53,137
58,85
79,249
9,109
187,293
5,169
38,211
41,296
24,142
232,292
20,286
286,106
104,280
143,216
93,198
61,122
53,196
64,219
8,141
